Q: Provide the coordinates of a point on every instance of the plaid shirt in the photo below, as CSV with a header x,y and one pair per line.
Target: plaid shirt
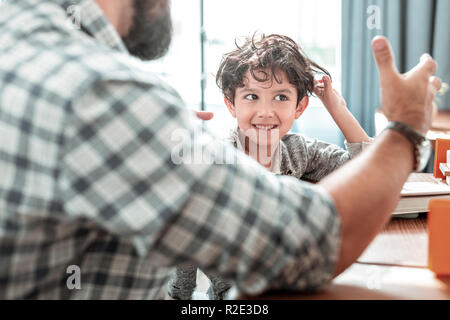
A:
x,y
88,182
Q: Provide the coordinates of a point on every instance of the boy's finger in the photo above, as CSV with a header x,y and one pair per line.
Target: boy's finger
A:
x,y
319,88
327,82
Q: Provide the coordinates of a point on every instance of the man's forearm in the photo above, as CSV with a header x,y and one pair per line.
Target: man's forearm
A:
x,y
366,191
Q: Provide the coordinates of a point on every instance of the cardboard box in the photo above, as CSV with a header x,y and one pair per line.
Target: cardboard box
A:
x,y
439,236
440,155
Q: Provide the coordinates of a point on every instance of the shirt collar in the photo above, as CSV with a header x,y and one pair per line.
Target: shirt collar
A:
x,y
275,163
93,22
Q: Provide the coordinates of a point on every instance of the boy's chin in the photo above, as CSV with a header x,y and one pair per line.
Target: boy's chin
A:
x,y
263,143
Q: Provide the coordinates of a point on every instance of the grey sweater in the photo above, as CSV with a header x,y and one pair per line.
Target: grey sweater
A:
x,y
300,157
310,159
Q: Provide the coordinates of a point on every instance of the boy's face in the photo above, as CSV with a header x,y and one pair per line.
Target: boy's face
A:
x,y
265,111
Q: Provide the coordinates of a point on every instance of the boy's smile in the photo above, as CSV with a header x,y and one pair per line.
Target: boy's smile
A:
x,y
266,111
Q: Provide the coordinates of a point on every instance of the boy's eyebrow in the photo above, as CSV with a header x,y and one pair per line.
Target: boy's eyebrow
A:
x,y
284,91
247,90
244,90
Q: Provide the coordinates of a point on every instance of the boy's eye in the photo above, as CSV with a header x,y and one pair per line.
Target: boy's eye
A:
x,y
281,97
251,97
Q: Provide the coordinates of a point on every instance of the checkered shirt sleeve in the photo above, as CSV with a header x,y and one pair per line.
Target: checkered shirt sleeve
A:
x,y
99,171
235,219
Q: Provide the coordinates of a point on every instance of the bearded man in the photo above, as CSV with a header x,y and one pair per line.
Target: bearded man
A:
x,y
92,205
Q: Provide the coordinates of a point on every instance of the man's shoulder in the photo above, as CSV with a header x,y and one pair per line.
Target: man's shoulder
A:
x,y
59,55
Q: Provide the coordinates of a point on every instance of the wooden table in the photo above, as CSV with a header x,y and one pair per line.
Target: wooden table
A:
x,y
394,266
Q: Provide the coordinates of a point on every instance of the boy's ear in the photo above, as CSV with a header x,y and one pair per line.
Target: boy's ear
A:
x,y
301,106
230,107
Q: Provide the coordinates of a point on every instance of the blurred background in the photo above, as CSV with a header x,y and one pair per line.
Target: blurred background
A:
x,y
334,33
194,56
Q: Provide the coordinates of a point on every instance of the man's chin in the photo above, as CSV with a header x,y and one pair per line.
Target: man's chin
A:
x,y
150,36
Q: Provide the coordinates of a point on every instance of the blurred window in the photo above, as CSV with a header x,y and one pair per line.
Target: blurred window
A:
x,y
314,25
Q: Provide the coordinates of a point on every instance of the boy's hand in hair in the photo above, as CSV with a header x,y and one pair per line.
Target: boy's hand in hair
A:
x,y
330,98
337,107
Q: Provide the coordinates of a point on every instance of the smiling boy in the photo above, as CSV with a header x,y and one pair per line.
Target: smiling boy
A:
x,y
266,85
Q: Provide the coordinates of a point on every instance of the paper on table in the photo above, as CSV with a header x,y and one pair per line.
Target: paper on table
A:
x,y
422,184
417,192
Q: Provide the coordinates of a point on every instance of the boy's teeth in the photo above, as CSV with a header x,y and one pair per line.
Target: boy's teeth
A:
x,y
265,127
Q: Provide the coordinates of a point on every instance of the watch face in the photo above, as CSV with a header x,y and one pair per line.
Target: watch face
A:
x,y
425,152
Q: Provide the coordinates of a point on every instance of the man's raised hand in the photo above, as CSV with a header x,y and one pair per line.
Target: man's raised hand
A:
x,y
406,97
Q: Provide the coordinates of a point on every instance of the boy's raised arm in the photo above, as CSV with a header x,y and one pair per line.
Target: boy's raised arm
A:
x,y
337,107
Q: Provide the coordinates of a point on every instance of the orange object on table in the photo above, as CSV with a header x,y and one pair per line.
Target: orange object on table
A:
x,y
440,155
439,236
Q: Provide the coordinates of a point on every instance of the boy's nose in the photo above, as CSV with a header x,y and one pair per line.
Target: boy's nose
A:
x,y
266,111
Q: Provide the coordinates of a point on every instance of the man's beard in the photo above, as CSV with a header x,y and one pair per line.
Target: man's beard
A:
x,y
151,34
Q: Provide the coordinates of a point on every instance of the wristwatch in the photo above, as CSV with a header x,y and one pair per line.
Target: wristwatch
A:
x,y
422,146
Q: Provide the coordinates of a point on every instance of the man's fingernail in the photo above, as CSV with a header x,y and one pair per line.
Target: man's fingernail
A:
x,y
379,45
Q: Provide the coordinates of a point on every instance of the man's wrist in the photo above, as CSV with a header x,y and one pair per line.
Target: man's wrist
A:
x,y
416,138
416,122
400,141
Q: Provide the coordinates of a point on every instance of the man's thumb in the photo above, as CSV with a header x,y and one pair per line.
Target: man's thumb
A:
x,y
383,57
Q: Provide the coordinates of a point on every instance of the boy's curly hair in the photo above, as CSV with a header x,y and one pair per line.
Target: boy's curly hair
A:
x,y
274,53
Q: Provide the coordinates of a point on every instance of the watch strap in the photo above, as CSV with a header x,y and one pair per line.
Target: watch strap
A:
x,y
412,135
